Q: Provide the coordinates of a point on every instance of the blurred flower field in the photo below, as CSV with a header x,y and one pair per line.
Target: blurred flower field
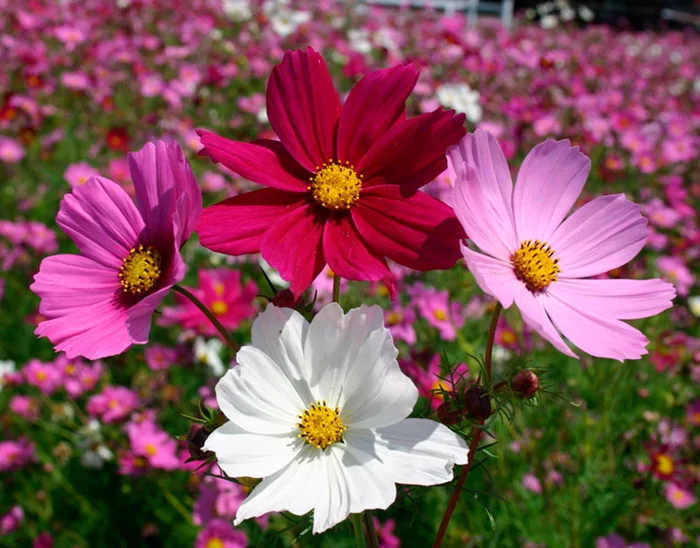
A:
x,y
99,453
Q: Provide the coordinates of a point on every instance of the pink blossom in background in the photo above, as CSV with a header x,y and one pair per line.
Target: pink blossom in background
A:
x,y
25,406
113,404
385,534
45,376
101,302
154,445
399,320
532,483
537,258
78,376
676,271
159,357
44,540
434,306
15,454
679,497
11,151
12,520
223,292
79,173
220,534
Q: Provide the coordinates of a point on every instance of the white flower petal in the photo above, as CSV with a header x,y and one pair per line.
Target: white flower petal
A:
x,y
355,482
419,451
333,341
280,333
375,391
257,396
292,489
240,453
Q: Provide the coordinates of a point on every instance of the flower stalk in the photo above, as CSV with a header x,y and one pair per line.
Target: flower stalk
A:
x,y
476,435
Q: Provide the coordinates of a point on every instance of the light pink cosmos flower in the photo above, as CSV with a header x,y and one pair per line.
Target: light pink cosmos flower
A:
x,y
154,445
114,404
11,151
44,376
100,303
78,174
535,257
219,533
15,454
680,498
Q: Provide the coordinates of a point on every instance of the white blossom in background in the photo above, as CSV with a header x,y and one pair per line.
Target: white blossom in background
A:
x,y
209,354
90,441
461,98
694,305
549,21
283,19
7,367
319,411
359,41
237,10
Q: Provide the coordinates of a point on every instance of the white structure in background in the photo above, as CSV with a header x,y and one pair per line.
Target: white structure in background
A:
x,y
208,353
283,19
462,99
450,7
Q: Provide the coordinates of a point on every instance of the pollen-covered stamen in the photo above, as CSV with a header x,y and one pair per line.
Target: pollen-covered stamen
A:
x,y
336,185
534,265
321,426
141,270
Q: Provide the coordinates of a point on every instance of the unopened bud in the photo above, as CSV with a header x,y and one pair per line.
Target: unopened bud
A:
x,y
196,436
447,414
284,299
525,383
477,403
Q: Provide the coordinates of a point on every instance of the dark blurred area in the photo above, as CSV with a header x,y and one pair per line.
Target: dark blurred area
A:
x,y
639,14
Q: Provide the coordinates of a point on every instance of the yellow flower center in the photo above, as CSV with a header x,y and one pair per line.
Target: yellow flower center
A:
x,y
336,186
664,465
151,449
440,314
141,270
534,266
321,426
215,543
508,337
394,318
219,288
219,308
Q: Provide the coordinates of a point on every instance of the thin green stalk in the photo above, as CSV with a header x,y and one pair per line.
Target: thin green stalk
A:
x,y
336,288
356,520
476,434
216,323
370,530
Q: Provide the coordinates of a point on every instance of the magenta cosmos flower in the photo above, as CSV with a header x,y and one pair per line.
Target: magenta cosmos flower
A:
x,y
342,181
535,256
99,303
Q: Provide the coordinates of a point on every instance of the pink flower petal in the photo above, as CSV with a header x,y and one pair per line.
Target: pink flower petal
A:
x,y
294,246
535,314
303,107
549,182
264,162
419,232
102,220
605,233
348,255
374,105
482,194
140,315
68,283
618,299
235,226
495,277
596,335
412,152
164,185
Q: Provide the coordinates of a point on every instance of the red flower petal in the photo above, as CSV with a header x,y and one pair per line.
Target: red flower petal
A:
x,y
348,255
303,107
374,105
294,246
412,153
236,225
265,162
419,232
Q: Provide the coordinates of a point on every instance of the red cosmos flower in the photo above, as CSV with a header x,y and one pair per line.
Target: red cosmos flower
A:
x,y
342,181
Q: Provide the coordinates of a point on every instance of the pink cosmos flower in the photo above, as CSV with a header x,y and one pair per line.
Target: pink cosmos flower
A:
x,y
159,357
153,444
25,407
114,404
15,454
79,173
44,376
531,483
536,257
385,534
221,290
220,534
12,520
11,151
435,307
680,498
100,303
342,183
677,272
78,377
399,320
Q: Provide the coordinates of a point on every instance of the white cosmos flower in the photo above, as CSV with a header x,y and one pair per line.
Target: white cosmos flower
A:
x,y
209,353
319,411
462,99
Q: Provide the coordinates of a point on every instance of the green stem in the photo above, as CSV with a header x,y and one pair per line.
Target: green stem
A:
x,y
476,434
336,288
372,540
356,520
216,323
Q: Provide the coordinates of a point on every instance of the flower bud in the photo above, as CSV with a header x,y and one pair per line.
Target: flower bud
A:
x,y
525,383
447,414
477,403
196,436
284,299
